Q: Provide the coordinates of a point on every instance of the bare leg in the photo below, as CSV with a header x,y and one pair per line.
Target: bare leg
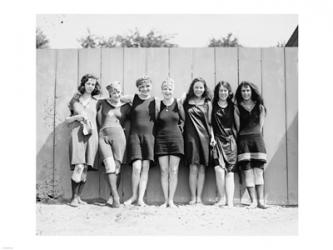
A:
x,y
173,178
143,182
193,182
220,179
164,164
259,182
249,182
200,183
113,184
75,188
82,184
230,188
136,171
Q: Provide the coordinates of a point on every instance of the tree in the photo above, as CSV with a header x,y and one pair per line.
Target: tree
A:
x,y
227,41
41,40
133,39
281,44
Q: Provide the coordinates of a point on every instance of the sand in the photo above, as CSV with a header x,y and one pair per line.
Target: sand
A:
x,y
98,219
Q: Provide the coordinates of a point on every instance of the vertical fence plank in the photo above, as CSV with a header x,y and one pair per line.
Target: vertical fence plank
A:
x,y
249,61
275,125
66,86
204,66
157,67
90,62
111,70
158,70
291,59
134,67
226,66
46,65
180,71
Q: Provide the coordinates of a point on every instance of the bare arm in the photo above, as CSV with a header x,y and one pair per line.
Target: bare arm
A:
x,y
211,132
236,117
181,109
127,98
262,117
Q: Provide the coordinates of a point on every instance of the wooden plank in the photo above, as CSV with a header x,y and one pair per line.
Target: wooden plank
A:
x,y
250,65
181,69
181,72
134,67
204,66
158,70
66,86
226,66
249,61
46,65
90,62
157,67
112,70
275,125
291,60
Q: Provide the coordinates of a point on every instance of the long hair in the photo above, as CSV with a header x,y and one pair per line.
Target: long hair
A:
x,y
255,95
84,79
190,93
217,90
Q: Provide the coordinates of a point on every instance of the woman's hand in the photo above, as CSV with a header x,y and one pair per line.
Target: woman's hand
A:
x,y
212,142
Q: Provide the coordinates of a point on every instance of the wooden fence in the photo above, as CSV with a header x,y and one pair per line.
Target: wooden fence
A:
x,y
274,70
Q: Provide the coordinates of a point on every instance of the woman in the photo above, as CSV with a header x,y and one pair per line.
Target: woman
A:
x,y
169,144
223,124
141,138
112,141
197,134
249,118
84,138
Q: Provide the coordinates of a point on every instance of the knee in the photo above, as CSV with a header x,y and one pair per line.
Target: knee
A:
x,y
136,169
164,172
249,178
193,169
173,170
202,170
258,176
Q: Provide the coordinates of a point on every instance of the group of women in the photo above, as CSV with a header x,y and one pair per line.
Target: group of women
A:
x,y
204,131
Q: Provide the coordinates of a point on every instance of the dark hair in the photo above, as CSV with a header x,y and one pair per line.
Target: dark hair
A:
x,y
217,90
142,80
190,93
84,79
255,95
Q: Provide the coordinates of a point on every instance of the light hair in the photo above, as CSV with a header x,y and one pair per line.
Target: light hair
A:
x,y
168,81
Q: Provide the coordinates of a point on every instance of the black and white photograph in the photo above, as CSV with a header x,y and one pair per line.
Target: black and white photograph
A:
x,y
167,124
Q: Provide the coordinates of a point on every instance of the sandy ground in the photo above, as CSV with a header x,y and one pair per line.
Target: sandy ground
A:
x,y
98,219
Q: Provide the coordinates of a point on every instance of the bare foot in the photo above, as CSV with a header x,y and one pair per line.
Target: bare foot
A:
x,y
130,201
164,205
229,206
219,203
199,201
81,202
141,203
252,205
192,202
110,201
262,206
74,203
116,203
172,205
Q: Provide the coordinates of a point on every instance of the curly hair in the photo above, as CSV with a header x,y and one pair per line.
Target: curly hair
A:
x,y
84,79
255,95
217,90
190,93
143,79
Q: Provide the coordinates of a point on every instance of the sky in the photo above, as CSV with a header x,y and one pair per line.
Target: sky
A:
x,y
191,30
